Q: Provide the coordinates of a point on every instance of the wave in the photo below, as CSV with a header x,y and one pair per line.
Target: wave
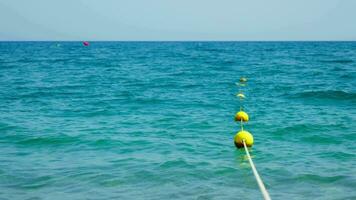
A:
x,y
347,76
319,139
341,61
176,163
337,155
311,133
301,128
40,141
7,127
328,94
50,141
55,141
319,179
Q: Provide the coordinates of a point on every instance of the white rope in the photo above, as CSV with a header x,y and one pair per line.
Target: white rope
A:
x,y
258,178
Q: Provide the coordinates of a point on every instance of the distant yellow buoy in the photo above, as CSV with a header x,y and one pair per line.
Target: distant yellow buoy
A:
x,y
243,135
241,115
242,96
243,80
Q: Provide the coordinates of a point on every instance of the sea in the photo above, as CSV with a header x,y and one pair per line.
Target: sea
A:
x,y
155,120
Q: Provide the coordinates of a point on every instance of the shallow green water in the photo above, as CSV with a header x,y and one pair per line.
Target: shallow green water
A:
x,y
155,120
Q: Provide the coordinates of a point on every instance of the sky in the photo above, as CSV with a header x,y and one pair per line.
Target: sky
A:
x,y
177,20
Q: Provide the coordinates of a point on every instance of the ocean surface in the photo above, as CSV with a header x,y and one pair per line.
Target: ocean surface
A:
x,y
155,120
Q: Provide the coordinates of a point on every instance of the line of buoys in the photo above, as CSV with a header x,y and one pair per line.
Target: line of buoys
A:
x,y
241,117
244,139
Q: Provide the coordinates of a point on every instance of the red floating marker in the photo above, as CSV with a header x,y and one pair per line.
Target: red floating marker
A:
x,y
86,43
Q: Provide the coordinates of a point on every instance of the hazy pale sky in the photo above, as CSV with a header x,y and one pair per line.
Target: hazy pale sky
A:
x,y
177,19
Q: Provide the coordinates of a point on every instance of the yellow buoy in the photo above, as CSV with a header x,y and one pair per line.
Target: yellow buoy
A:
x,y
241,115
242,96
243,79
243,135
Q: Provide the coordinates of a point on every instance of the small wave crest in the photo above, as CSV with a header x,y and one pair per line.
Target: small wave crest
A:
x,y
340,61
53,141
319,178
330,94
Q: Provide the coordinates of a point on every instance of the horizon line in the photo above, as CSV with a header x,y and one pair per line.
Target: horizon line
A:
x,y
178,40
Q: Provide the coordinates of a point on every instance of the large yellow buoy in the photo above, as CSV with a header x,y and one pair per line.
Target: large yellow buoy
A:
x,y
241,115
243,135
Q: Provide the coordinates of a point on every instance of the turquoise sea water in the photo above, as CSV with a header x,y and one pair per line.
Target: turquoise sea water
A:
x,y
154,120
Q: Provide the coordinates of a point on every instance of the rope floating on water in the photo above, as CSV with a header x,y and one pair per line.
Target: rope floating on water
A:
x,y
257,176
245,139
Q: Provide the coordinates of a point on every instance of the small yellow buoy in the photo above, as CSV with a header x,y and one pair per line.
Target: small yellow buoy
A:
x,y
242,96
243,79
241,115
243,135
